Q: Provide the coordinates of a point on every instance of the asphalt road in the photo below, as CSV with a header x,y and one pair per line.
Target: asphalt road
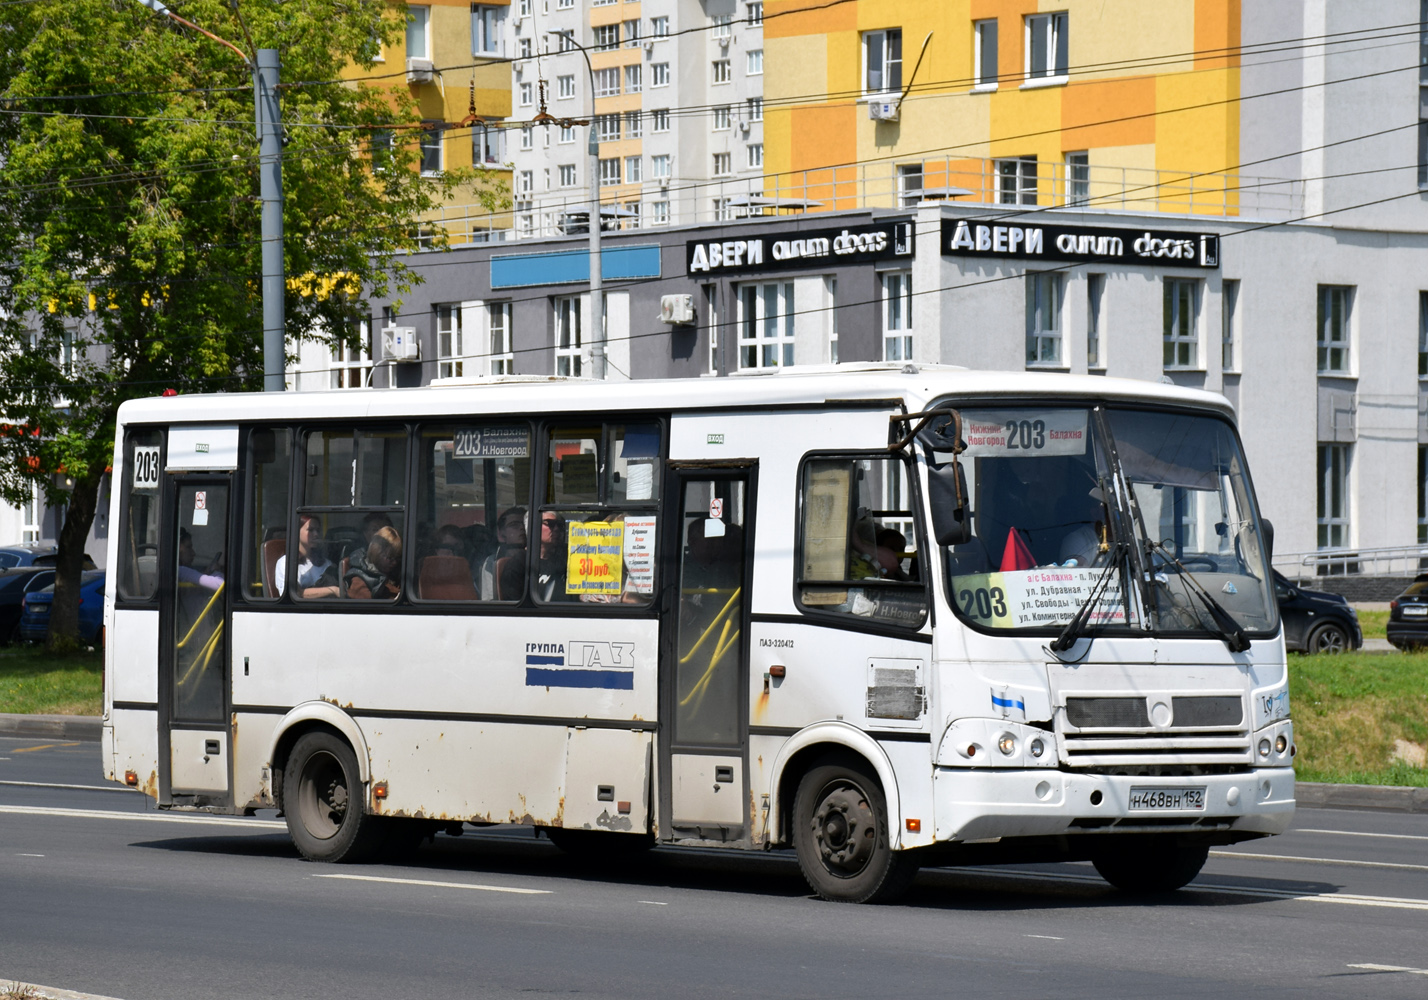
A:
x,y
100,894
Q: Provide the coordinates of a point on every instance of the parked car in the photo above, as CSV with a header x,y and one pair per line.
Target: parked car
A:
x,y
1316,621
36,571
35,620
28,554
1408,615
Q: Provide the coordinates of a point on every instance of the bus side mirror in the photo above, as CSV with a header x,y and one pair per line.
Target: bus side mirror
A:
x,y
1267,529
947,490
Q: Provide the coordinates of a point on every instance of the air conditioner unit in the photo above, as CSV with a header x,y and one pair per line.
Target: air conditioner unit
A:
x,y
399,343
649,44
883,111
676,309
744,127
419,71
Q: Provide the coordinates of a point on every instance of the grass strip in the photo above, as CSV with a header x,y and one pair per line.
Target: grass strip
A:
x,y
35,682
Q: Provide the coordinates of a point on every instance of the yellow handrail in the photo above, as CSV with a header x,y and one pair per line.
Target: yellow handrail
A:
x,y
201,615
722,611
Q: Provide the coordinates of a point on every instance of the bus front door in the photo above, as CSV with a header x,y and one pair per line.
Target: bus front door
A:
x,y
704,660
193,644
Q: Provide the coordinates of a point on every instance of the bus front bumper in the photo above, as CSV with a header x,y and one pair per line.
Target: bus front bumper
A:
x,y
982,804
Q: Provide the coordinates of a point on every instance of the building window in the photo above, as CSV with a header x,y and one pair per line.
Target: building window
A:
x,y
527,92
30,516
527,137
766,325
488,145
1095,294
723,25
564,87
1181,310
431,147
831,283
723,118
1422,495
909,184
723,164
567,175
380,148
659,120
418,19
659,27
754,108
882,61
607,36
633,79
1333,496
351,363
523,48
525,182
1229,325
1078,178
756,14
1043,318
756,154
563,4
607,127
1423,334
1046,46
659,74
633,173
1016,181
984,58
634,125
1335,304
610,172
448,340
632,210
722,73
724,209
897,316
566,135
487,29
607,82
632,34
659,213
659,166
568,348
754,62
498,320
567,40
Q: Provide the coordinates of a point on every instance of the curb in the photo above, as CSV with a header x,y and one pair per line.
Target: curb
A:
x,y
65,727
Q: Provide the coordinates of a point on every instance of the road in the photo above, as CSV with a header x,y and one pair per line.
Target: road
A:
x,y
101,894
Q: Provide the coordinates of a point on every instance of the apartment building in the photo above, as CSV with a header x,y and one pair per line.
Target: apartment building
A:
x,y
674,92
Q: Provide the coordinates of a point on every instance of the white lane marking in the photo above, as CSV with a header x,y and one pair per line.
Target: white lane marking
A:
x,y
29,855
78,788
441,885
1351,899
651,902
1389,968
1317,861
1344,833
1044,937
192,819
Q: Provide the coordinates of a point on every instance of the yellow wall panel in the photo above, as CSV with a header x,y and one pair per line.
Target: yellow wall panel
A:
x,y
795,68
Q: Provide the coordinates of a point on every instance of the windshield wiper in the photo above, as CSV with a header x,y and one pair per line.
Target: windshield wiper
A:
x,y
1226,627
1080,621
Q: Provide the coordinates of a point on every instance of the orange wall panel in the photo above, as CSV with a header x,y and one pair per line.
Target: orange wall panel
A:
x,y
778,23
1090,113
1217,27
823,137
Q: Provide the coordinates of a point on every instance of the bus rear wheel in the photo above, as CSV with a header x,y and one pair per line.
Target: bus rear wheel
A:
x,y
1149,865
322,801
840,834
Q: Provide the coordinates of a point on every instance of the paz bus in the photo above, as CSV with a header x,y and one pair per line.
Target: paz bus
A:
x,y
881,616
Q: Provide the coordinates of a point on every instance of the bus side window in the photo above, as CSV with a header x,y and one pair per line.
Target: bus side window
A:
x,y
265,534
857,541
139,538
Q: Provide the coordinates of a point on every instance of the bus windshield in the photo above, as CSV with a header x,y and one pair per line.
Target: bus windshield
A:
x,y
1150,511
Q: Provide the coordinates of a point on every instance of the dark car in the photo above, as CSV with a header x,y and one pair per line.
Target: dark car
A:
x,y
35,620
1316,621
21,578
1408,615
28,554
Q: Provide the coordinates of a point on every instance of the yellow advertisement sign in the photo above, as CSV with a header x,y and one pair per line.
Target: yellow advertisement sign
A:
x,y
595,557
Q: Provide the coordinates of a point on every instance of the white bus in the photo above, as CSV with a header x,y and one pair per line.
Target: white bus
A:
x,y
879,615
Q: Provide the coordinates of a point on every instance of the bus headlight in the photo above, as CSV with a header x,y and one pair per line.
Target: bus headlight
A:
x,y
1264,748
1007,744
1280,743
1037,748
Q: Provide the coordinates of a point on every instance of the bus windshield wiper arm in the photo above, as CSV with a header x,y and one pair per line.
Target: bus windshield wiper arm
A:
x,y
1225,625
1079,622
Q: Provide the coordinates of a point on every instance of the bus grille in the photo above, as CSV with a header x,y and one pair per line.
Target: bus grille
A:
x,y
1110,732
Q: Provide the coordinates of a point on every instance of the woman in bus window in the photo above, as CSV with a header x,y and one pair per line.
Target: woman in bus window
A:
x,y
376,571
316,574
550,569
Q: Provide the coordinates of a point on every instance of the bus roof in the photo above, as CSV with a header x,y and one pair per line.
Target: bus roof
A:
x,y
914,385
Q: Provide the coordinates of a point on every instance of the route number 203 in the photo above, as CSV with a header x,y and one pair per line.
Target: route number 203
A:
x,y
1026,435
984,602
146,467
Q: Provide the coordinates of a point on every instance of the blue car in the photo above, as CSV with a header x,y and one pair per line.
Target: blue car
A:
x,y
35,618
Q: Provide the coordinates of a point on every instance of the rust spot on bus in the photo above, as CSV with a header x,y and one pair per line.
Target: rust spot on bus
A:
x,y
761,706
151,786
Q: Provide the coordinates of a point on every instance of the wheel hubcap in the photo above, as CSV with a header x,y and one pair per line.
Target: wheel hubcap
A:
x,y
1331,642
845,830
323,796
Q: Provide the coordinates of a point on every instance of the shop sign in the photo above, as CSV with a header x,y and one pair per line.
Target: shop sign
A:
x,y
1079,244
807,248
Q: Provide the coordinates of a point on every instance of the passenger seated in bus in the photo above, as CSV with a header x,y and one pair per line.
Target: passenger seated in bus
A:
x,y
373,523
712,561
316,574
375,572
891,546
210,578
449,542
551,561
863,561
510,542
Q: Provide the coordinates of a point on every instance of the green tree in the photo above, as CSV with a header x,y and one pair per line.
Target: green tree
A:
x,y
131,223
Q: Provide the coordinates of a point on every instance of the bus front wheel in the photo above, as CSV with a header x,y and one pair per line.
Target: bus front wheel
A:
x,y
1149,864
840,834
322,801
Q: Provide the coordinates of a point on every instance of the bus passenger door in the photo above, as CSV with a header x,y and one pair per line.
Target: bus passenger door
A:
x,y
704,655
193,643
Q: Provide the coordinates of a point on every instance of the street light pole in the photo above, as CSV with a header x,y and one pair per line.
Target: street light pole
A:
x,y
268,117
597,295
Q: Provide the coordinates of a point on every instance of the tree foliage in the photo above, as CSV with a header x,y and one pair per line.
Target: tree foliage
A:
x,y
130,216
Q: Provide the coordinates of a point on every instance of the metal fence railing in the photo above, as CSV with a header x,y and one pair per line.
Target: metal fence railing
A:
x,y
1403,560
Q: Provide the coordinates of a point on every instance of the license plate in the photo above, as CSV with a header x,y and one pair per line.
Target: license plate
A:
x,y
1167,798
1415,611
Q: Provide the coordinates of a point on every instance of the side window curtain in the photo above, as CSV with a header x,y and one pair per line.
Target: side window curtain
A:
x,y
139,532
472,512
594,539
265,532
351,516
858,540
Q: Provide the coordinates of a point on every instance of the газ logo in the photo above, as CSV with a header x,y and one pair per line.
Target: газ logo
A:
x,y
582,663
